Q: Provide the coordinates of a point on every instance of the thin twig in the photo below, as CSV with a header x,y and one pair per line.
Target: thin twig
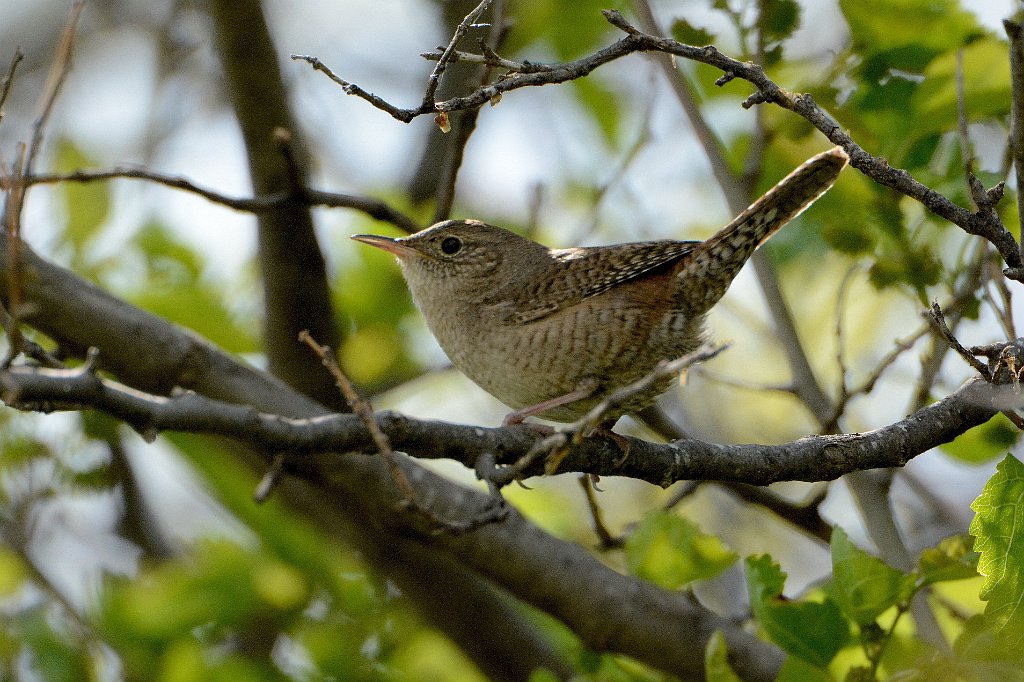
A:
x,y
939,321
363,410
58,74
465,124
434,80
375,208
13,203
1016,147
410,499
608,541
556,446
23,168
5,89
984,223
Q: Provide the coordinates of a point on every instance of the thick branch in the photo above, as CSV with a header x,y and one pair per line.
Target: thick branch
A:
x,y
151,353
296,293
814,458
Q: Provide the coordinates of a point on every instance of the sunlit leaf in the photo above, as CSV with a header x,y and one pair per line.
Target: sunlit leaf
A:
x,y
865,585
86,204
985,441
998,528
670,551
716,660
814,631
953,558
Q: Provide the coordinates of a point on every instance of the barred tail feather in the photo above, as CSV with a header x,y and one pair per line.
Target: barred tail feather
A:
x,y
716,262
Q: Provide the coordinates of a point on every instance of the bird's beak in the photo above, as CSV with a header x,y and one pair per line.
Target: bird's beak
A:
x,y
389,244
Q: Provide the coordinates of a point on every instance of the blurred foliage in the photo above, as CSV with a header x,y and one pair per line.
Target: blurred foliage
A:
x,y
275,595
670,551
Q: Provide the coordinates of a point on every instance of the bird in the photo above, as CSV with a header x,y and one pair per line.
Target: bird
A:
x,y
552,332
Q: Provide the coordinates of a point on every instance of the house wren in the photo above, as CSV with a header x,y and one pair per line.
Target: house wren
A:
x,y
551,332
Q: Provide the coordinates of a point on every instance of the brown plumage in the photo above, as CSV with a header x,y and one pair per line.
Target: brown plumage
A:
x,y
559,329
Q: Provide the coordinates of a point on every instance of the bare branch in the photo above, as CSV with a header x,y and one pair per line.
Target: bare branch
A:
x,y
58,73
8,82
375,208
814,458
984,223
442,62
1016,37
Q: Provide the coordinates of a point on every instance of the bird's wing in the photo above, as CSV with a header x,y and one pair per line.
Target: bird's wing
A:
x,y
577,274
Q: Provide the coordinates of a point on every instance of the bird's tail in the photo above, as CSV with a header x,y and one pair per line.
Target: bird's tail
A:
x,y
716,261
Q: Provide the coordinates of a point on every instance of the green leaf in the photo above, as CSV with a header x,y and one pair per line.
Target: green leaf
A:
x,y
601,103
798,670
13,572
814,631
953,558
882,29
998,528
176,290
685,32
670,551
980,651
779,18
986,81
87,204
716,660
985,441
55,659
865,585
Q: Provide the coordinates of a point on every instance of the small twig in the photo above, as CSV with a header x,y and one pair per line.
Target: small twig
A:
x,y
492,59
410,499
404,115
939,321
664,369
1015,34
899,347
685,490
5,89
375,208
1005,354
270,479
465,124
841,298
58,74
555,446
434,80
608,541
23,168
13,203
363,410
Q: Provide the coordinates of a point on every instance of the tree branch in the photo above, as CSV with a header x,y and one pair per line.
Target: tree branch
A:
x,y
373,207
983,223
813,458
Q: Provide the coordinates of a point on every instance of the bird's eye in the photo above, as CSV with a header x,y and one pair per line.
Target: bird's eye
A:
x,y
451,245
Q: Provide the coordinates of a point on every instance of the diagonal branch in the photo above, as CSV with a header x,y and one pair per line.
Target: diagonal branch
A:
x,y
984,224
